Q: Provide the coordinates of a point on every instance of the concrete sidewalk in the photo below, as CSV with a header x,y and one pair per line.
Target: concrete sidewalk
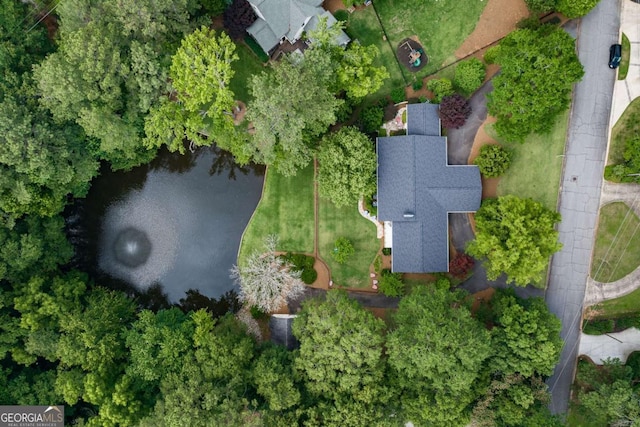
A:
x,y
615,345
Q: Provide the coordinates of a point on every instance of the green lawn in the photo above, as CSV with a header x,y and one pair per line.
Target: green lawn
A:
x,y
627,127
626,54
441,26
364,26
246,66
286,209
617,249
619,307
347,222
536,165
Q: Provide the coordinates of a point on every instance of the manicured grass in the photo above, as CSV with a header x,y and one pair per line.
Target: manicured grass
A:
x,y
364,27
536,165
441,26
286,209
246,66
347,222
617,249
619,307
627,127
626,53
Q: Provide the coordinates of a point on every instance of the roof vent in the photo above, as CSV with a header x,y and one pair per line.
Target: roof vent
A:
x,y
408,215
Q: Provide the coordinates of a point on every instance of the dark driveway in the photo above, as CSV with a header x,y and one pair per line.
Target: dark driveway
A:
x,y
459,144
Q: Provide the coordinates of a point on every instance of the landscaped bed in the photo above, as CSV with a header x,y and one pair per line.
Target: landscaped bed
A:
x,y
286,209
616,252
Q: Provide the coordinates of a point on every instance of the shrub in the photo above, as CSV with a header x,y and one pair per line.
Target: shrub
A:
x,y
398,95
539,6
460,266
469,75
530,23
440,88
575,8
386,251
341,15
309,275
493,160
491,54
377,264
344,112
258,314
454,111
598,327
391,285
342,250
423,99
371,118
417,85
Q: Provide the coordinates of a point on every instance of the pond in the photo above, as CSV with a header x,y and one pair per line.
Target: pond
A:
x,y
176,223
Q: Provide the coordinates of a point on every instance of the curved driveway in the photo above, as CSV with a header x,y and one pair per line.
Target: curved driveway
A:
x,y
580,188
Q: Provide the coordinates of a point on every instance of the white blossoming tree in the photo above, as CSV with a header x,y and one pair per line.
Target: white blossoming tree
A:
x,y
267,281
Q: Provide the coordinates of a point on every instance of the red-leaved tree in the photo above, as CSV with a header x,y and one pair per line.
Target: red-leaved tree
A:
x,y
460,266
454,111
238,17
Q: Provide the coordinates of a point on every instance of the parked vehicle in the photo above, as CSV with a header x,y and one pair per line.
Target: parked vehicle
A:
x,y
615,55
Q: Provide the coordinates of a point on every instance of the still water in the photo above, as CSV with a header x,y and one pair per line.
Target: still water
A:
x,y
176,222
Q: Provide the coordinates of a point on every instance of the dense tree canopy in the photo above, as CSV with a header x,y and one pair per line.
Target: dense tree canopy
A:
x,y
347,163
538,70
111,67
524,325
515,236
292,106
341,359
437,351
202,111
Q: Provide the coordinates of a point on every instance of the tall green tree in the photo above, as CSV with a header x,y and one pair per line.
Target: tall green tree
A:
x,y
515,236
357,75
538,70
522,325
436,352
292,106
347,164
575,8
111,67
340,360
202,111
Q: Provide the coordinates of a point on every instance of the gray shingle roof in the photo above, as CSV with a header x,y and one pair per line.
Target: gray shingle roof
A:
x,y
280,328
281,18
417,190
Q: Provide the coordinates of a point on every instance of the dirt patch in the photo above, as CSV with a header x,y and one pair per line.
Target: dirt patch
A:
x,y
333,5
498,19
411,54
481,296
324,276
489,185
238,112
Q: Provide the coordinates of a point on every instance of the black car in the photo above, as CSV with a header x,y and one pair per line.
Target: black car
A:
x,y
615,55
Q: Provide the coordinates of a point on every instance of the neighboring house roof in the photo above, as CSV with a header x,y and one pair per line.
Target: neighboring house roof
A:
x,y
417,190
280,328
288,19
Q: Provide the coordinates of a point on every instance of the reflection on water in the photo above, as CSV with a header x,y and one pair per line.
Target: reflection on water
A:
x,y
176,223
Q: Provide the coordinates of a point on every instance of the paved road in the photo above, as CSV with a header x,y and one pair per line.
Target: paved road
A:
x,y
580,191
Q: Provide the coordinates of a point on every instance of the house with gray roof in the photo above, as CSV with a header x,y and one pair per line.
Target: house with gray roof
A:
x,y
418,190
281,21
